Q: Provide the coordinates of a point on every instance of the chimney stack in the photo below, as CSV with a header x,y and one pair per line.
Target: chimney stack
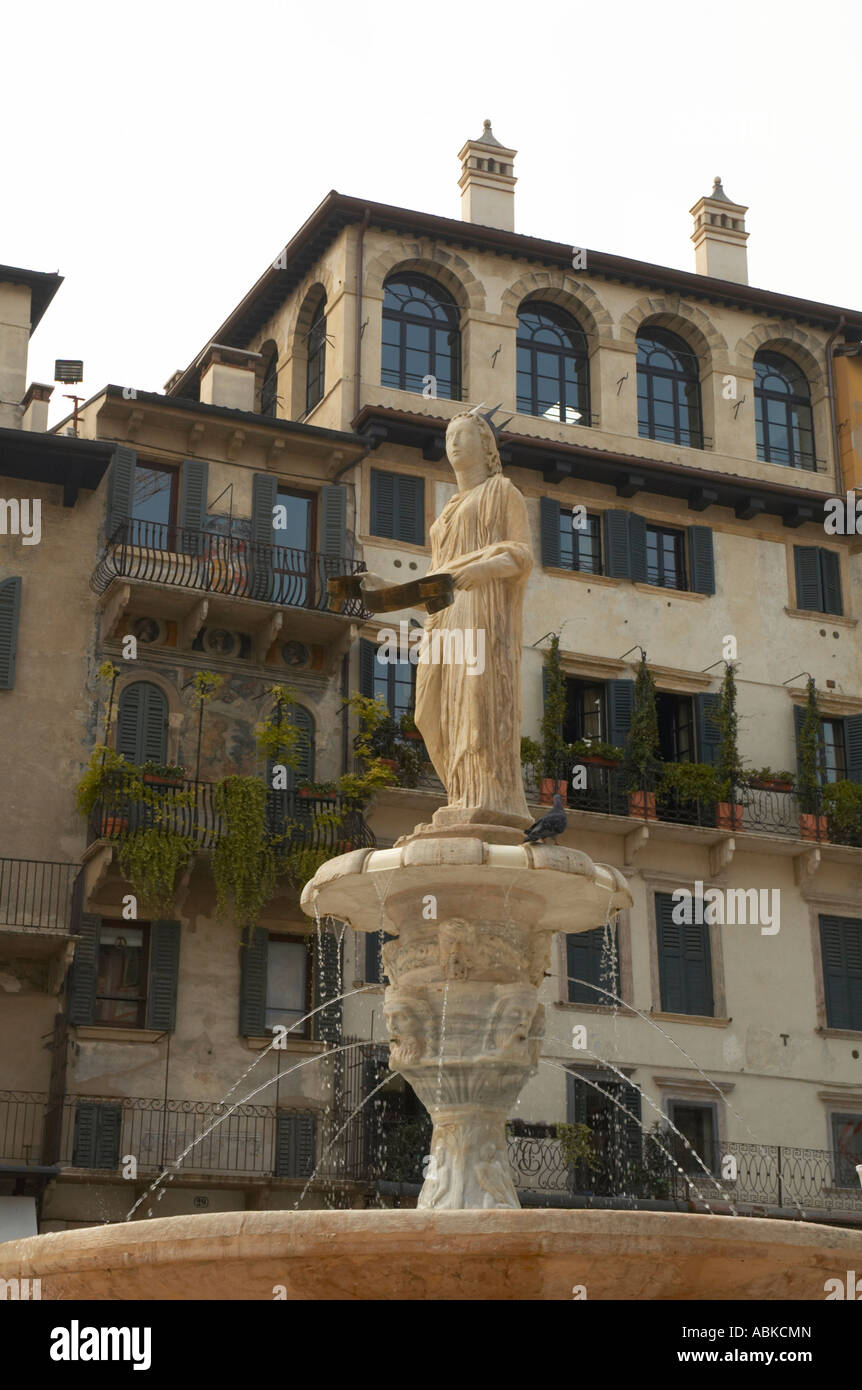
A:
x,y
228,377
719,236
487,182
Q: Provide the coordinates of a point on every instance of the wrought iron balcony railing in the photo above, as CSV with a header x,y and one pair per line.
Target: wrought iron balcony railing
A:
x,y
189,808
36,893
214,563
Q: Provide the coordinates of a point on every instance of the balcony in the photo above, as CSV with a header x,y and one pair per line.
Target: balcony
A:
x,y
207,579
36,909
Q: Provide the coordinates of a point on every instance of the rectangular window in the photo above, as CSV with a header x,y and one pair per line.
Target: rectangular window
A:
x,y
684,961
818,580
841,955
834,750
696,1122
121,979
397,507
580,546
675,727
154,506
287,984
585,711
665,556
395,681
592,966
292,561
847,1149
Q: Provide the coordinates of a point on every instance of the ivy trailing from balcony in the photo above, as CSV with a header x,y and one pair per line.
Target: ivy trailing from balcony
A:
x,y
244,859
150,860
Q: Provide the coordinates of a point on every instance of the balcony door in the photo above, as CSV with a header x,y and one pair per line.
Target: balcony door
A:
x,y
153,506
293,575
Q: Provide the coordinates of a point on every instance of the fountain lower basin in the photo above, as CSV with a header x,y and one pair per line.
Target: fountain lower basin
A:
x,y
439,1255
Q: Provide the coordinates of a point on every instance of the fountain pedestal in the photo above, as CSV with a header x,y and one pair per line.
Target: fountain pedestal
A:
x,y
473,923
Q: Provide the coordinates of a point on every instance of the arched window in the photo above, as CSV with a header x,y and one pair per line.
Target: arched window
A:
x,y
668,389
142,723
269,385
553,365
315,367
782,412
421,337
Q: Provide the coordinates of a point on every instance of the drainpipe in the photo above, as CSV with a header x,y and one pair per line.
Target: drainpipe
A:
x,y
345,727
360,257
830,388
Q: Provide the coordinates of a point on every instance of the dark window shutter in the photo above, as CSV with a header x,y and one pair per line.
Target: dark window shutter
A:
x,y
193,505
333,521
81,994
367,658
410,509
97,1135
121,478
164,969
576,1100
701,560
549,516
10,610
685,964
252,983
327,977
637,548
621,704
295,1145
841,948
264,497
809,590
374,943
142,723
617,554
853,746
584,952
707,731
831,571
627,1122
382,504
304,771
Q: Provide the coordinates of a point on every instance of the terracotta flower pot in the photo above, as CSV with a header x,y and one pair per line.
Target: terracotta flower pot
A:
x,y
153,780
598,762
771,784
812,827
390,762
548,788
728,816
113,825
637,807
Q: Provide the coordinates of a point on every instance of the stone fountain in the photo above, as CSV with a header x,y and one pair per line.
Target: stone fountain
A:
x,y
472,909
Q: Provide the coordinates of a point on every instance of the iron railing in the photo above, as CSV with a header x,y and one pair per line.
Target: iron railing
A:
x,y
215,563
189,808
36,893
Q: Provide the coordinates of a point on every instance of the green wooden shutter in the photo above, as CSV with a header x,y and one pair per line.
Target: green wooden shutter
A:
x,y
382,520
576,1100
81,988
617,554
304,770
830,568
10,612
853,746
841,949
549,517
627,1123
328,973
142,723
252,983
410,509
584,952
637,548
121,479
333,521
96,1141
194,476
264,497
164,970
809,588
374,943
707,731
701,560
685,963
295,1145
621,704
367,659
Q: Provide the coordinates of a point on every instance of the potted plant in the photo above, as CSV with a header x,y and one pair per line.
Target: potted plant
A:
x,y
690,782
407,728
842,804
317,789
162,774
728,764
408,762
642,760
764,779
596,753
812,823
531,758
553,745
111,782
375,746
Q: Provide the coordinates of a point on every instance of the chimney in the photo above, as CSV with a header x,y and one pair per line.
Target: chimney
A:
x,y
228,377
35,407
719,237
487,182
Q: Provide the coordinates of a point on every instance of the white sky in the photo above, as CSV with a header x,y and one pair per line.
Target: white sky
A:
x,y
160,155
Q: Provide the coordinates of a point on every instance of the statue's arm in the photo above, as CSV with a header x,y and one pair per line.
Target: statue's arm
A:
x,y
511,558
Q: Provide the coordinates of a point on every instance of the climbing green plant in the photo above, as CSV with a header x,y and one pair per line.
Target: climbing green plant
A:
x,y
106,768
553,746
643,746
244,861
728,764
810,753
576,1146
150,860
279,738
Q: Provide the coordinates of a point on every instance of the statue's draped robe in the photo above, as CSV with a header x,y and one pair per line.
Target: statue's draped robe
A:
x,y
471,723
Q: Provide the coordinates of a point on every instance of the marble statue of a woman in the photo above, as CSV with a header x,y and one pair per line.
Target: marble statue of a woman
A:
x,y
471,721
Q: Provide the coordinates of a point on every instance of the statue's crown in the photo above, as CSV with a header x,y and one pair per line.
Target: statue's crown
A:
x,y
488,416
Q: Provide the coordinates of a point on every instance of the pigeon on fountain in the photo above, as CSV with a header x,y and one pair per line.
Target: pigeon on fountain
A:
x,y
549,826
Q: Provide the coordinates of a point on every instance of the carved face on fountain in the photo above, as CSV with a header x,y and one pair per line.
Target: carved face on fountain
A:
x,y
408,1021
512,1022
457,943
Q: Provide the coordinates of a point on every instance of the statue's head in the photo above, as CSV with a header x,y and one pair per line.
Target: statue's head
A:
x,y
408,1021
512,1020
471,442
